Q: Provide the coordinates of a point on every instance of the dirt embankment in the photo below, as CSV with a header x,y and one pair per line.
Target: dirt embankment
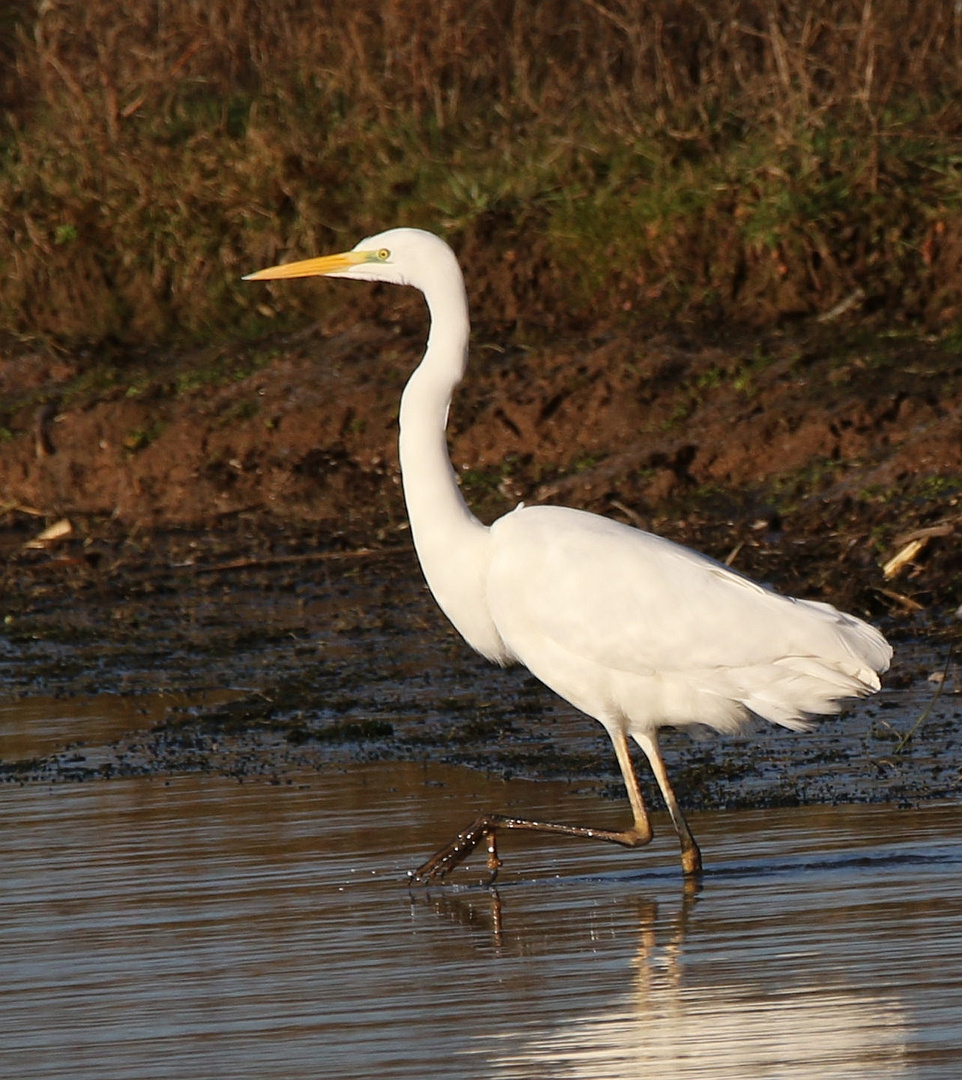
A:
x,y
808,461
214,504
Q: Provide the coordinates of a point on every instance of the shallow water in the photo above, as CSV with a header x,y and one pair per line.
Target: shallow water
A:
x,y
201,928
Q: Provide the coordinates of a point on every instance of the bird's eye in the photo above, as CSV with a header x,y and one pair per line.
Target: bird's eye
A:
x,y
384,254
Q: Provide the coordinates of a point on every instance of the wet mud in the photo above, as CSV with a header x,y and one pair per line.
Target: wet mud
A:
x,y
210,604
253,654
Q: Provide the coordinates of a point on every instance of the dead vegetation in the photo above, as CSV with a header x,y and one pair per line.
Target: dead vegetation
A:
x,y
736,159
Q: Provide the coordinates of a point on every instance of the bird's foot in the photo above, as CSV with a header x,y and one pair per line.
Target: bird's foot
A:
x,y
691,860
444,861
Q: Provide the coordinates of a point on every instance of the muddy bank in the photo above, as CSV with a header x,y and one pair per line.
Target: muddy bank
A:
x,y
258,656
232,530
828,448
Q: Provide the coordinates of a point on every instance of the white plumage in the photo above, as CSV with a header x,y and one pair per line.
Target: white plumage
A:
x,y
632,629
636,630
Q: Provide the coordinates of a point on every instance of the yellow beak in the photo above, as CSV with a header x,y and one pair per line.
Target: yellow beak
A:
x,y
326,264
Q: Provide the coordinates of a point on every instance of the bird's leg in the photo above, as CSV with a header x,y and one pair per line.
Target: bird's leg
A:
x,y
486,826
690,854
642,825
494,863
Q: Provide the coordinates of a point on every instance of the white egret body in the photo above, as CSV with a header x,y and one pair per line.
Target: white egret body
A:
x,y
632,629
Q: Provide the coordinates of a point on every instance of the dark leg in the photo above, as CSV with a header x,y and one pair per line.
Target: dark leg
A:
x,y
486,826
690,855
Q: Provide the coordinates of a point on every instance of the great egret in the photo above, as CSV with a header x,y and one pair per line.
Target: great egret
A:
x,y
632,629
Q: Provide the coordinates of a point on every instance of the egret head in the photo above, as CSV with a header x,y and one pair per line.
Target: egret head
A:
x,y
398,256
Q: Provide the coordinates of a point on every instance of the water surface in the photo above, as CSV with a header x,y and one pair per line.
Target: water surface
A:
x,y
199,927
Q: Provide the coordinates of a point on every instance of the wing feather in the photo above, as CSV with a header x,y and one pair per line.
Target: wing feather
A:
x,y
634,603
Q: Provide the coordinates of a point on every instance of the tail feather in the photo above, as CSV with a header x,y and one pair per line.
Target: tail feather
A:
x,y
796,688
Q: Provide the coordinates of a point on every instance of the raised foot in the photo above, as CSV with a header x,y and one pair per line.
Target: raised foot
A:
x,y
485,828
445,860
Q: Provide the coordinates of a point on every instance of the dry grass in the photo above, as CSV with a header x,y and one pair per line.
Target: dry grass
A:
x,y
725,158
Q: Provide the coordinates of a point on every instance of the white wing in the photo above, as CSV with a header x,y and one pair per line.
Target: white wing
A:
x,y
622,621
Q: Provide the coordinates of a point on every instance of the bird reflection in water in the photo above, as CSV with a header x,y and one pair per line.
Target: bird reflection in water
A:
x,y
682,1017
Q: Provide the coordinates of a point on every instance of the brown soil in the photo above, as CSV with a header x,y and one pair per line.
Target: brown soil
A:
x,y
804,460
218,504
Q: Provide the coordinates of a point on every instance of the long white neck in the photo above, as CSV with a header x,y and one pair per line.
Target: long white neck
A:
x,y
452,545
